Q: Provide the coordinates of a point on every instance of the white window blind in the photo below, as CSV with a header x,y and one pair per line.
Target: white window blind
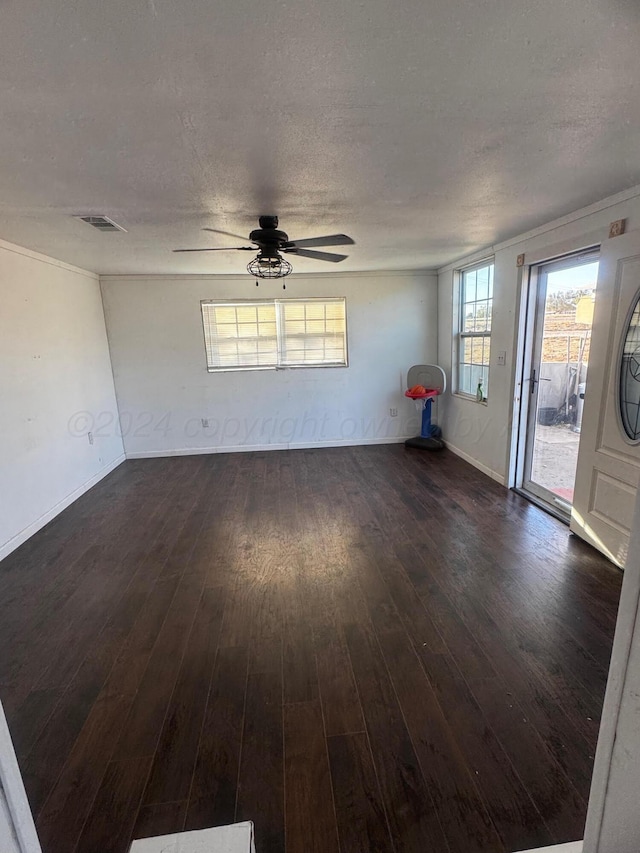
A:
x,y
312,332
240,335
275,333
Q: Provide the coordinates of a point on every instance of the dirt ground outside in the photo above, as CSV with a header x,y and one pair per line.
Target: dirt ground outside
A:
x,y
555,459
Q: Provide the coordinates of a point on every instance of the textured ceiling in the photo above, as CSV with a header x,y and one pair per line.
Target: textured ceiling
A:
x,y
423,128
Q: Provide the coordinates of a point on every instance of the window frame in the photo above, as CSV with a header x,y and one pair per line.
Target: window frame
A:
x,y
461,335
275,302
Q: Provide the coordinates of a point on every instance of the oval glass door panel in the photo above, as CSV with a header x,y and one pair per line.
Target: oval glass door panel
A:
x,y
630,376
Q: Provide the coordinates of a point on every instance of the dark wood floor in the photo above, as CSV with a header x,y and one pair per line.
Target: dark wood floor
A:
x,y
360,649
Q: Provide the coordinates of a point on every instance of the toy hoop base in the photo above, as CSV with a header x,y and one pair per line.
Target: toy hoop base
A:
x,y
421,443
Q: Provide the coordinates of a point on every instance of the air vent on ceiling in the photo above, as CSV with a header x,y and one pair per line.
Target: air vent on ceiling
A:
x,y
102,223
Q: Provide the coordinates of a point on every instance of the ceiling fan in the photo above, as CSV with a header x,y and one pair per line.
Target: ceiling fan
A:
x,y
271,244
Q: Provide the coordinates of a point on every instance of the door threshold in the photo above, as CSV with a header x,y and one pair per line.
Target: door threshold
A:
x,y
564,517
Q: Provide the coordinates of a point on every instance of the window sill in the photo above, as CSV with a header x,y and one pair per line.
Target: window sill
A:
x,y
470,398
272,367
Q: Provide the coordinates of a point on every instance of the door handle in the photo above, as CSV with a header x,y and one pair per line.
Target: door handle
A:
x,y
535,381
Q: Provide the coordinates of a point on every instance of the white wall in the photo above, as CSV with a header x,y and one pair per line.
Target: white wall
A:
x,y
8,838
54,364
17,830
483,433
164,390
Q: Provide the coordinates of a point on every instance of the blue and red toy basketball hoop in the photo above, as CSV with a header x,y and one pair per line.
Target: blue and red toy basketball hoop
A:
x,y
428,394
432,378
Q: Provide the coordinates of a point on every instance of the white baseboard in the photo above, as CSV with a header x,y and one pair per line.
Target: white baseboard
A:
x,y
251,448
202,451
235,838
484,468
348,442
569,847
39,523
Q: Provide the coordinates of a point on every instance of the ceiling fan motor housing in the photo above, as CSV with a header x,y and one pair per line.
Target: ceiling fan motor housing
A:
x,y
267,236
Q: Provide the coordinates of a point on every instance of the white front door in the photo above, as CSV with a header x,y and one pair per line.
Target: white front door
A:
x,y
608,471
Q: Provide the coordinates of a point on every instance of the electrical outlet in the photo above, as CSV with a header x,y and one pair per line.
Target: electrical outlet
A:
x,y
502,358
205,423
617,228
90,437
393,413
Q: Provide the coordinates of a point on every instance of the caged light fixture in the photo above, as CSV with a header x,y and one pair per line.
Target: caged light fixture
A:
x,y
265,266
269,263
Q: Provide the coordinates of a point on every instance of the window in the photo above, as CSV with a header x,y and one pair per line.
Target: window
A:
x,y
312,332
275,333
474,335
240,335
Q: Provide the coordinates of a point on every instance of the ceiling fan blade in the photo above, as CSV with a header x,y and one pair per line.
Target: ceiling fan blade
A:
x,y
222,249
329,240
226,233
318,256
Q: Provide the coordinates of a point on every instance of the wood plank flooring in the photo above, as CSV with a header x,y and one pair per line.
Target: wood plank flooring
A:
x,y
359,649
